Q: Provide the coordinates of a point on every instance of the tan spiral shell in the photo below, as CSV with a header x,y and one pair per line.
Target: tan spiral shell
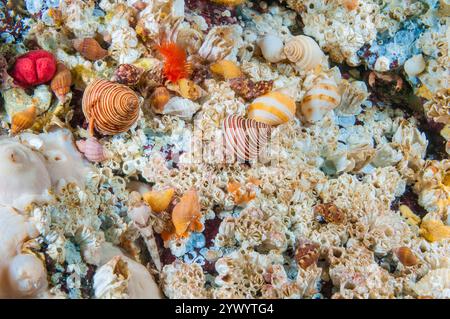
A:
x,y
62,81
303,51
23,120
90,49
109,107
245,137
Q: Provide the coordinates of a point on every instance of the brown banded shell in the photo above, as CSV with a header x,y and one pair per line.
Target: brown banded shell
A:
x,y
23,120
321,98
245,138
306,253
90,49
62,81
109,107
406,256
330,213
303,51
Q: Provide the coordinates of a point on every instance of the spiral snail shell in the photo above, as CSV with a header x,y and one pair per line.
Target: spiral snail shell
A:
x,y
109,107
303,51
245,138
321,98
90,49
62,81
23,120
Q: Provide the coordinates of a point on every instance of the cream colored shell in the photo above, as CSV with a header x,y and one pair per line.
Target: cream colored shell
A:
x,y
272,48
415,65
321,98
303,51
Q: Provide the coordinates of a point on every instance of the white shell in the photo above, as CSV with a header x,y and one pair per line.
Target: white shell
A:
x,y
415,65
181,107
304,52
320,99
382,64
272,48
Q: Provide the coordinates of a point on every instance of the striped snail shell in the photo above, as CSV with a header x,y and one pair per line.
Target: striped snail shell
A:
x,y
272,108
303,51
245,138
109,107
321,98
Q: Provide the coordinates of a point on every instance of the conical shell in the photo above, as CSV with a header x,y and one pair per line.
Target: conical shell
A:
x,y
62,81
23,120
245,138
321,98
90,49
303,51
273,108
109,107
92,149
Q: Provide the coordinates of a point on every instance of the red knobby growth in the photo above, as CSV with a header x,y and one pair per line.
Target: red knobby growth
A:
x,y
33,68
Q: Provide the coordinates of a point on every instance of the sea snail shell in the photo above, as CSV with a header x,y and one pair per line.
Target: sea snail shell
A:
x,y
62,81
245,138
89,49
303,51
109,107
321,98
415,65
272,48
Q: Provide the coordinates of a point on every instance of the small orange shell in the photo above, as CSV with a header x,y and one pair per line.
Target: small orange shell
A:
x,y
406,256
23,120
351,5
227,69
159,200
330,213
62,81
90,49
186,214
159,99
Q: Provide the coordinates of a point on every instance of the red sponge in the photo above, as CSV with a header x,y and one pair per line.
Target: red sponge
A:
x,y
33,68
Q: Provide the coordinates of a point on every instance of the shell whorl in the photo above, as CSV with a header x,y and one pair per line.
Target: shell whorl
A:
x,y
109,107
245,138
321,98
303,51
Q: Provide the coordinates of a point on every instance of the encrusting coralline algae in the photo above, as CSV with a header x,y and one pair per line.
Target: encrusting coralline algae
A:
x,y
213,149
